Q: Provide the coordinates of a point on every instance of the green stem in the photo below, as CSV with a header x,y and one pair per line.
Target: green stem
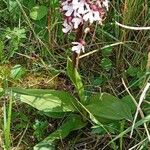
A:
x,y
121,138
7,124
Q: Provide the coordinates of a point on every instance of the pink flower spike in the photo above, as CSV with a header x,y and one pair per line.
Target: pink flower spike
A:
x,y
82,13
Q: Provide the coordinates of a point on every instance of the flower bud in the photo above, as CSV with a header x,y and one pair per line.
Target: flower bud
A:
x,y
87,30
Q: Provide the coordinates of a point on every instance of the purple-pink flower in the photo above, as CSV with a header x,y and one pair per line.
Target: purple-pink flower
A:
x,y
78,47
79,12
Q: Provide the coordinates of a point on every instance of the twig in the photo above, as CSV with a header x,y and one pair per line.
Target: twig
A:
x,y
142,97
132,148
132,28
136,104
22,137
105,47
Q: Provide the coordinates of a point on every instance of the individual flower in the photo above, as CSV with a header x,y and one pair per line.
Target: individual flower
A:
x,y
65,2
78,47
68,9
76,22
67,27
105,3
80,6
92,16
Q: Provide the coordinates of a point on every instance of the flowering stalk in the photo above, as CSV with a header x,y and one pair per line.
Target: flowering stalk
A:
x,y
75,55
79,14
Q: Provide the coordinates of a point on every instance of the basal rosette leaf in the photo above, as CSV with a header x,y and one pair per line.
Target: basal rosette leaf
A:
x,y
106,107
73,122
47,100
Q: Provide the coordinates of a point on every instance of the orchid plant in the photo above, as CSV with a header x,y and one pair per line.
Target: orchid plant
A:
x,y
100,108
79,15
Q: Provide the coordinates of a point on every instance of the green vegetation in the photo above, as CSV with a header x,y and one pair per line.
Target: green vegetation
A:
x,y
47,103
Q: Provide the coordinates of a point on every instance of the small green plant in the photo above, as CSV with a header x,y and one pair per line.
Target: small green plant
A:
x,y
7,124
39,128
13,39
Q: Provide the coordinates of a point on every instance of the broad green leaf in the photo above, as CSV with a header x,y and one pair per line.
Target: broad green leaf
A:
x,y
73,122
112,128
97,81
105,106
17,72
20,33
107,51
128,100
38,12
76,79
106,64
12,6
132,71
47,100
